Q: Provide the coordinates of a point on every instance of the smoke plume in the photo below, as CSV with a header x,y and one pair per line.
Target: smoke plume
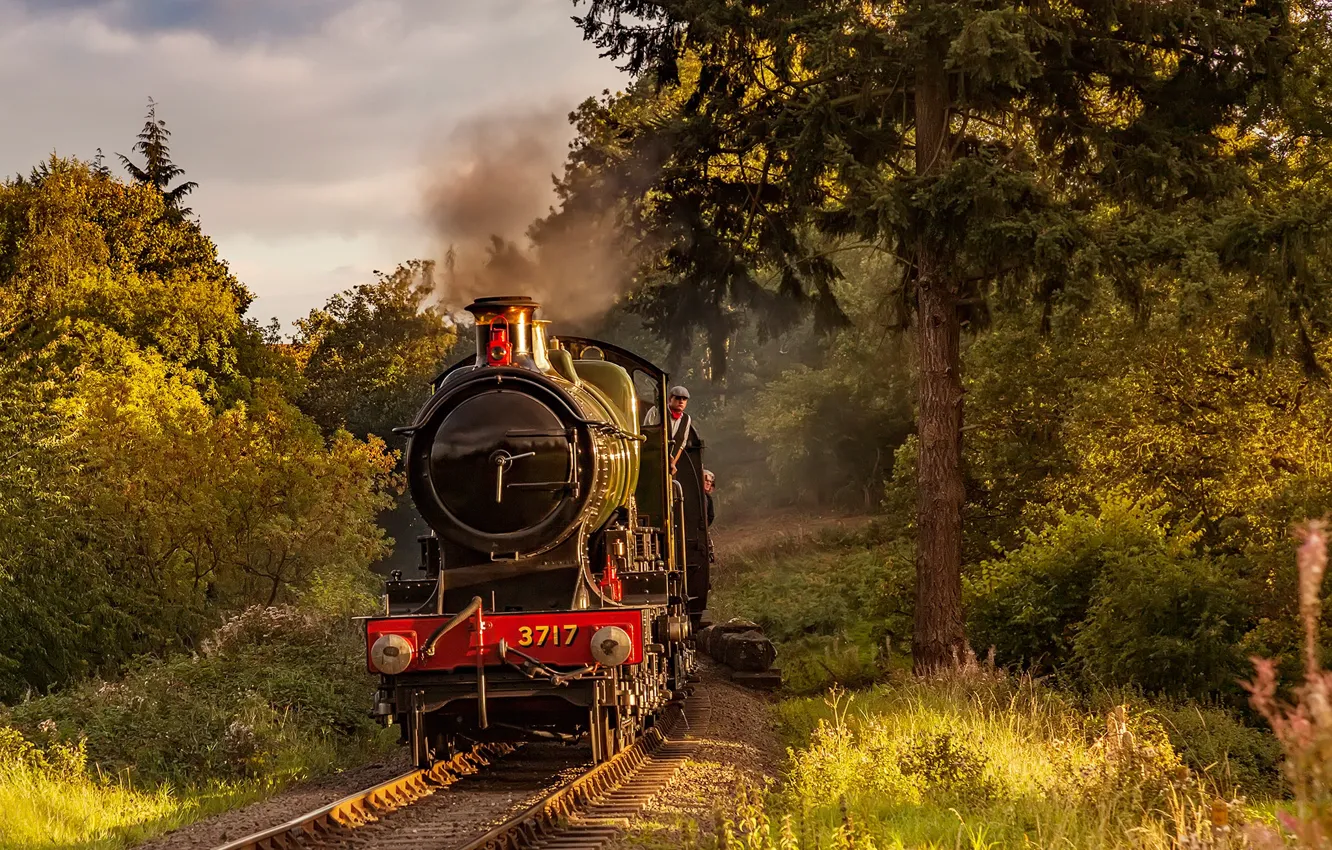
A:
x,y
492,206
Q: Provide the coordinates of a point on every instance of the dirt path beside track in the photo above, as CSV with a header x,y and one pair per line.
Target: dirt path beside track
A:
x,y
739,747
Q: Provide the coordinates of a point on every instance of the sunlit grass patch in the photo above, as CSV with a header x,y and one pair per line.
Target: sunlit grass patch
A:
x,y
38,811
980,760
48,799
51,797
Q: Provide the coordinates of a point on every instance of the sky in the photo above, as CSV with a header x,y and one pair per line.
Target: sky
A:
x,y
313,127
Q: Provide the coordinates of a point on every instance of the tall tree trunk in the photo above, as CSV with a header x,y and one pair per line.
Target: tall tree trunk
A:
x,y
938,638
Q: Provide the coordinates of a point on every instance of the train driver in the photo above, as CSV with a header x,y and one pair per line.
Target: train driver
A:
x,y
680,422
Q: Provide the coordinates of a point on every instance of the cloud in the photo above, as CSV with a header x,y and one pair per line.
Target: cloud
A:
x,y
309,124
250,20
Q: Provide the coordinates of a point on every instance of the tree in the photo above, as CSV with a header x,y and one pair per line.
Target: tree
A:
x,y
77,243
243,506
370,353
156,472
1227,441
833,416
158,170
1009,151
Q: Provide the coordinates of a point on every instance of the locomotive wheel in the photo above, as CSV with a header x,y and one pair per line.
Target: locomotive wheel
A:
x,y
606,733
441,744
430,740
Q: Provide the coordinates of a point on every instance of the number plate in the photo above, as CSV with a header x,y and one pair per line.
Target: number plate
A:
x,y
554,634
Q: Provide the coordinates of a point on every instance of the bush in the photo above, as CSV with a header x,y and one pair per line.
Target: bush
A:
x,y
951,768
1240,759
276,694
1166,624
1304,726
1116,598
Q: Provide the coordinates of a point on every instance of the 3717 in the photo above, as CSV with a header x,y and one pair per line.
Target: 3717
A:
x,y
556,635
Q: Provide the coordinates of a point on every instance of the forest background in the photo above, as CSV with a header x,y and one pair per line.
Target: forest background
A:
x,y
1138,441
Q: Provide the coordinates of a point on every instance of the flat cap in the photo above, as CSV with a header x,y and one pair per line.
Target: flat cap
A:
x,y
679,392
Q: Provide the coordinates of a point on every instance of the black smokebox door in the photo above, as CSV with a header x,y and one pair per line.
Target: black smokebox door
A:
x,y
480,453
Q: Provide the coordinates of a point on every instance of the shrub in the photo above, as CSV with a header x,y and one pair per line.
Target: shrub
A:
x,y
1239,759
951,768
1120,597
1166,624
276,694
1304,728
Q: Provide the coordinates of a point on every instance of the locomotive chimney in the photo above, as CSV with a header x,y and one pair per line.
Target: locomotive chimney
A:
x,y
506,333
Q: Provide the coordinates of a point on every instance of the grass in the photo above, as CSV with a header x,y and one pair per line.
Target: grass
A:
x,y
981,759
276,696
53,802
877,758
40,807
80,808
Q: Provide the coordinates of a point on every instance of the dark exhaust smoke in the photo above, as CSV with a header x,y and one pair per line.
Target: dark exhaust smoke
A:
x,y
504,231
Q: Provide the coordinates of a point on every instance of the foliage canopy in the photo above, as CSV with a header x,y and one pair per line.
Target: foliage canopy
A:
x,y
159,471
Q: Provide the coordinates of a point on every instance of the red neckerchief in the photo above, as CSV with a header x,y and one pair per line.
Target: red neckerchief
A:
x,y
677,414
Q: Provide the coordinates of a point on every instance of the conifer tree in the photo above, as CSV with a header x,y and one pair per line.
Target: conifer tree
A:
x,y
1013,149
158,170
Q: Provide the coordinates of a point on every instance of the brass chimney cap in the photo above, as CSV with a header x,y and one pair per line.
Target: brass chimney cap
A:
x,y
502,302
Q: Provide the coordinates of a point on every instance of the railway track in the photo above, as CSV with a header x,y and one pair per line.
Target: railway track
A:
x,y
580,813
595,808
363,807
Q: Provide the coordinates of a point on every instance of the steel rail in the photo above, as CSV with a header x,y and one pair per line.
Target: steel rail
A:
x,y
596,806
367,806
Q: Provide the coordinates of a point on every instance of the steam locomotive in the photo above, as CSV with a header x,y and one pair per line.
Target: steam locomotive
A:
x,y
566,569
